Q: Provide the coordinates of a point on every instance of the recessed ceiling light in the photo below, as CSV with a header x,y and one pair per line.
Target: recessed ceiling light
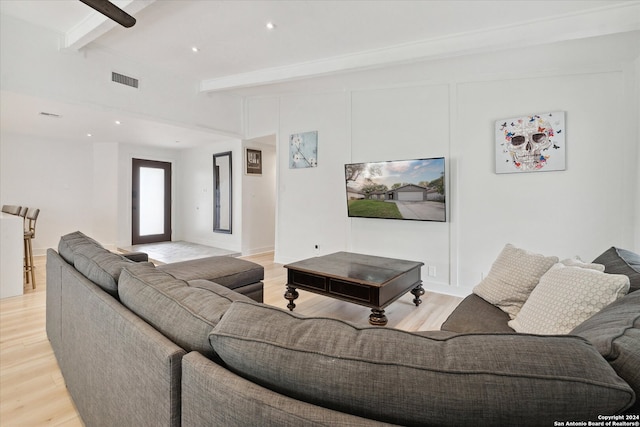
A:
x,y
117,122
89,134
195,49
271,26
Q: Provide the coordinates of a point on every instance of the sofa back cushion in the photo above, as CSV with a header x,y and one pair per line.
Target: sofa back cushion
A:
x,y
185,314
93,261
69,245
615,332
622,261
101,266
409,379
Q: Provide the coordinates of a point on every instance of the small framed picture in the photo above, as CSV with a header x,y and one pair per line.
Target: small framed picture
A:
x,y
253,164
303,150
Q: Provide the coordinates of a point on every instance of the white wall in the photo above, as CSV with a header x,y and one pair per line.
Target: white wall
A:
x,y
106,183
397,124
55,176
311,201
580,211
195,202
261,117
449,108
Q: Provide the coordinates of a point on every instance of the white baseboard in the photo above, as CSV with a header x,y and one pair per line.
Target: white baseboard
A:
x,y
256,251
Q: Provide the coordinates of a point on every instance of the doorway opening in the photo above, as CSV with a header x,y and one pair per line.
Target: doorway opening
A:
x,y
150,201
259,197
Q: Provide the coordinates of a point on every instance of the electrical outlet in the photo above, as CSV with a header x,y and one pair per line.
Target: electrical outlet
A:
x,y
432,271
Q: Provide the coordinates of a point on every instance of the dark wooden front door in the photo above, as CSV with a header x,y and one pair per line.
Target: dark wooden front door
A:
x,y
150,202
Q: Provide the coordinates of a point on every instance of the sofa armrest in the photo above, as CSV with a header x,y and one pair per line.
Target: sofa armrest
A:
x,y
136,256
118,369
55,264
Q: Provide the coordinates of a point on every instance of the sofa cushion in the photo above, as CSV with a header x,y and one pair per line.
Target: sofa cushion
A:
x,y
69,243
622,261
228,271
403,378
185,314
474,314
512,277
566,297
213,396
615,332
101,266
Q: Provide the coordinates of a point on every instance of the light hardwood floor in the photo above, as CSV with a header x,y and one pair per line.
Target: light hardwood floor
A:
x,y
32,390
402,314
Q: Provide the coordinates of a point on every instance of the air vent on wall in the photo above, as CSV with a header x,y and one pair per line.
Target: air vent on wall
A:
x,y
125,80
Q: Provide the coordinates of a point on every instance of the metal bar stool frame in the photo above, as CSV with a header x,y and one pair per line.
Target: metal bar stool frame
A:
x,y
29,234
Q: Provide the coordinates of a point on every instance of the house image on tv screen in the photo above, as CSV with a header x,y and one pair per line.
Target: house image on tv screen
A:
x,y
405,189
409,193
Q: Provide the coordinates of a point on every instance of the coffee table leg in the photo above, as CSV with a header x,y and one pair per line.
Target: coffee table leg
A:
x,y
377,317
417,292
291,295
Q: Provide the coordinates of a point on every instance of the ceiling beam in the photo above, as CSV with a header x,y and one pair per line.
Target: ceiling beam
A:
x,y
618,18
97,24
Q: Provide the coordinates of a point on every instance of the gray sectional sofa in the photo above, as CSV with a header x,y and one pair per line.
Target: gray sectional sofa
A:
x,y
140,345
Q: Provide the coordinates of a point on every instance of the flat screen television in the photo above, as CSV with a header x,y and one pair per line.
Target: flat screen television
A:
x,y
397,189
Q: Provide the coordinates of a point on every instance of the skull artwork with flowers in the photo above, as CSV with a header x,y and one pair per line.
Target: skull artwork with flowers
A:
x,y
526,141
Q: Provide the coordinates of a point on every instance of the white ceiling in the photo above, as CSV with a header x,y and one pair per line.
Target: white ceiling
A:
x,y
22,114
233,39
311,38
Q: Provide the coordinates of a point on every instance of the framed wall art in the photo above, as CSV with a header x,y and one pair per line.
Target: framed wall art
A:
x,y
303,150
253,162
534,143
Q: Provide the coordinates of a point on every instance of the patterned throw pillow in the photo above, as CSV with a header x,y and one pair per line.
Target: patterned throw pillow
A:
x,y
566,297
512,277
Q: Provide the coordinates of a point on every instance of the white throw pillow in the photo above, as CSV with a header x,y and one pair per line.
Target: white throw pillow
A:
x,y
566,297
577,262
512,277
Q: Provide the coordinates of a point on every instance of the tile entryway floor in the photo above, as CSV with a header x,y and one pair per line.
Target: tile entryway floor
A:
x,y
167,252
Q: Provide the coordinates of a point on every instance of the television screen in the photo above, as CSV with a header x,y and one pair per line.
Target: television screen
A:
x,y
399,189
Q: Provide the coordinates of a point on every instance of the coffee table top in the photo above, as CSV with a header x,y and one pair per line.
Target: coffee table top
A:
x,y
366,269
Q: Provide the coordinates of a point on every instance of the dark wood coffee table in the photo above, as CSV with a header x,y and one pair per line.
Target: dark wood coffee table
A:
x,y
367,280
